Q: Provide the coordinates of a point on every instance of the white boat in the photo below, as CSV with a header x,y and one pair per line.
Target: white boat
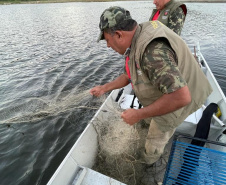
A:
x,y
76,168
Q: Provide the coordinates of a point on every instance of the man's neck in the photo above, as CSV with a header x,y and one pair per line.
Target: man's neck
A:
x,y
130,35
165,3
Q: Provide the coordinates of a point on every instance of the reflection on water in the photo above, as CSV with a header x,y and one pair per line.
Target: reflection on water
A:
x,y
50,58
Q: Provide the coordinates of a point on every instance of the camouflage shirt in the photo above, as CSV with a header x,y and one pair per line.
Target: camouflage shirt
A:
x,y
159,63
176,20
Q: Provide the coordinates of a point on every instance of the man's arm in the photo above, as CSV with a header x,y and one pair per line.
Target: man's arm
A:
x,y
176,20
166,104
119,82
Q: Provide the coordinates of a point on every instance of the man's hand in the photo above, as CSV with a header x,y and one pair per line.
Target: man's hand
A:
x,y
97,91
130,116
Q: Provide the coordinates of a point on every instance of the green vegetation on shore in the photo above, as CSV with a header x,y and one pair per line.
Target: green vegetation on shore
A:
x,y
5,2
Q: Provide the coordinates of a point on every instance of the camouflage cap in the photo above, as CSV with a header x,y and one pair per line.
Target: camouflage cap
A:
x,y
112,17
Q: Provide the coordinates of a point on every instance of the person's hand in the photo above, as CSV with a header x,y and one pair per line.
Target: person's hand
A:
x,y
97,91
130,116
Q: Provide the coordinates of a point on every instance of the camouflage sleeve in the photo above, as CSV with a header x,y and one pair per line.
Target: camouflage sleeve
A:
x,y
176,20
160,65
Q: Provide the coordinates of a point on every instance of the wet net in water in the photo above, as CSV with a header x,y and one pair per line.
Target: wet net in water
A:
x,y
33,109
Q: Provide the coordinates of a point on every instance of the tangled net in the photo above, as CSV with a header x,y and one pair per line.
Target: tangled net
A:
x,y
37,108
119,144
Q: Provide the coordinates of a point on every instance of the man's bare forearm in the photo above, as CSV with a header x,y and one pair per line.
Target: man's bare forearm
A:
x,y
119,82
166,104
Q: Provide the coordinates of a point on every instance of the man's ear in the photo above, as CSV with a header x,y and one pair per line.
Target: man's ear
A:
x,y
119,34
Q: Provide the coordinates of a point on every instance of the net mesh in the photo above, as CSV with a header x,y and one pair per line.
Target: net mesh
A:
x,y
37,108
119,146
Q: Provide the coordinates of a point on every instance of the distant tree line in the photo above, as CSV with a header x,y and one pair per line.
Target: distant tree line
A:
x,y
32,1
21,0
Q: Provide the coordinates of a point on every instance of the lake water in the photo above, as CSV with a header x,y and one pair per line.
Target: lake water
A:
x,y
49,56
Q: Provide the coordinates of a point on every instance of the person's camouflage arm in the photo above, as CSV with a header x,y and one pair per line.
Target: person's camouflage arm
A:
x,y
176,20
159,64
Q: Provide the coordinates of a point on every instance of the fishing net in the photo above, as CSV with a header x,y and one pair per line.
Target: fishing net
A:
x,y
37,108
119,146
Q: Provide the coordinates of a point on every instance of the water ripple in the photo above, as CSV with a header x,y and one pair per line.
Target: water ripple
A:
x,y
50,58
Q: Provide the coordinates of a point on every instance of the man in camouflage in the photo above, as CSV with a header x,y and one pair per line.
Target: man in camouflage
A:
x,y
165,76
170,13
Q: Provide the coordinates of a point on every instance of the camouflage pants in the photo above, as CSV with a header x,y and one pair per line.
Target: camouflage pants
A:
x,y
156,141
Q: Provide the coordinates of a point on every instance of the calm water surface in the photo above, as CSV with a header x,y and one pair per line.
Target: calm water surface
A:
x,y
49,55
